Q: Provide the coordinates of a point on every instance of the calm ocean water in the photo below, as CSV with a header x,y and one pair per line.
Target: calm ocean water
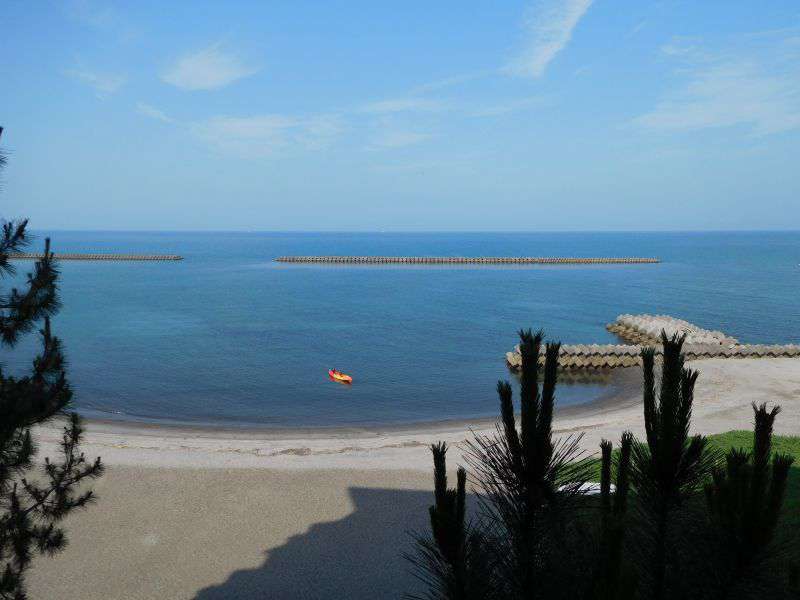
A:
x,y
228,337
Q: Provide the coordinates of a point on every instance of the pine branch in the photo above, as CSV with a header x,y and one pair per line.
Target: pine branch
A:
x,y
31,508
13,240
39,397
21,310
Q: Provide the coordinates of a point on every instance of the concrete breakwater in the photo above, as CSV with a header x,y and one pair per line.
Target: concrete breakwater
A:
x,y
73,256
646,329
464,260
640,329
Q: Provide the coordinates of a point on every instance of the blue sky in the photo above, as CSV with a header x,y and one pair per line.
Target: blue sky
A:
x,y
542,115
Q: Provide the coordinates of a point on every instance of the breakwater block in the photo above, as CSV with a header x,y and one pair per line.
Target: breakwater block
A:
x,y
645,330
112,257
464,260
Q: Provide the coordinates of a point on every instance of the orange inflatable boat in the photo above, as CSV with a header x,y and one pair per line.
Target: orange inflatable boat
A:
x,y
339,376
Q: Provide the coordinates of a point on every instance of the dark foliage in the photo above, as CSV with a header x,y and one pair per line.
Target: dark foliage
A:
x,y
532,491
612,580
32,504
2,157
648,534
745,499
532,485
669,467
454,561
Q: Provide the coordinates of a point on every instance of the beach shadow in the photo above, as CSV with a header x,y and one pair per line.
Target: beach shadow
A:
x,y
357,557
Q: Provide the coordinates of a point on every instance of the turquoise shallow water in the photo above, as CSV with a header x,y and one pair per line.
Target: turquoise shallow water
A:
x,y
229,337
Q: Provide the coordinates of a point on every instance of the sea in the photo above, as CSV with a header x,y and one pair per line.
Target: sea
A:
x,y
230,338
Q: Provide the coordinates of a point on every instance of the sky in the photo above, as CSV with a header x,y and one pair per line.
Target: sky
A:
x,y
534,115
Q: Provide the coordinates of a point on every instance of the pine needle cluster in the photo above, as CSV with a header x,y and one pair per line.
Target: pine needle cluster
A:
x,y
34,501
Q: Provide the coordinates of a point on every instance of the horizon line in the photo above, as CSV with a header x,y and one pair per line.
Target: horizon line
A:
x,y
411,231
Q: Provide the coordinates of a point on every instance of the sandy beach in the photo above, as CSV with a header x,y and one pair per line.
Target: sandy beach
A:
x,y
207,514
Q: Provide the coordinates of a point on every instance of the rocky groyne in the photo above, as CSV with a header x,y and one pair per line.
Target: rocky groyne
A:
x,y
645,330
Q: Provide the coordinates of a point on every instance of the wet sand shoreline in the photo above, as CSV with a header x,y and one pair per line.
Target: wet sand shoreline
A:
x,y
723,396
618,384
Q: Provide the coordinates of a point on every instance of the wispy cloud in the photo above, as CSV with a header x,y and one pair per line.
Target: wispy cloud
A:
x,y
398,105
264,135
422,105
207,69
102,17
549,25
637,28
93,13
439,164
151,111
510,106
452,81
398,139
723,89
104,84
257,135
688,47
319,131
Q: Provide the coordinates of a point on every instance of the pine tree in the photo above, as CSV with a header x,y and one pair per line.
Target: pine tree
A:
x,y
671,466
528,541
454,561
611,579
533,486
32,505
745,499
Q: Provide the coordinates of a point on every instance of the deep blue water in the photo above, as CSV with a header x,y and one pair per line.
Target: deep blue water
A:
x,y
229,337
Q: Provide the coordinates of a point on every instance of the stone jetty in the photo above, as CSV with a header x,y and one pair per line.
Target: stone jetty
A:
x,y
645,330
72,256
463,260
